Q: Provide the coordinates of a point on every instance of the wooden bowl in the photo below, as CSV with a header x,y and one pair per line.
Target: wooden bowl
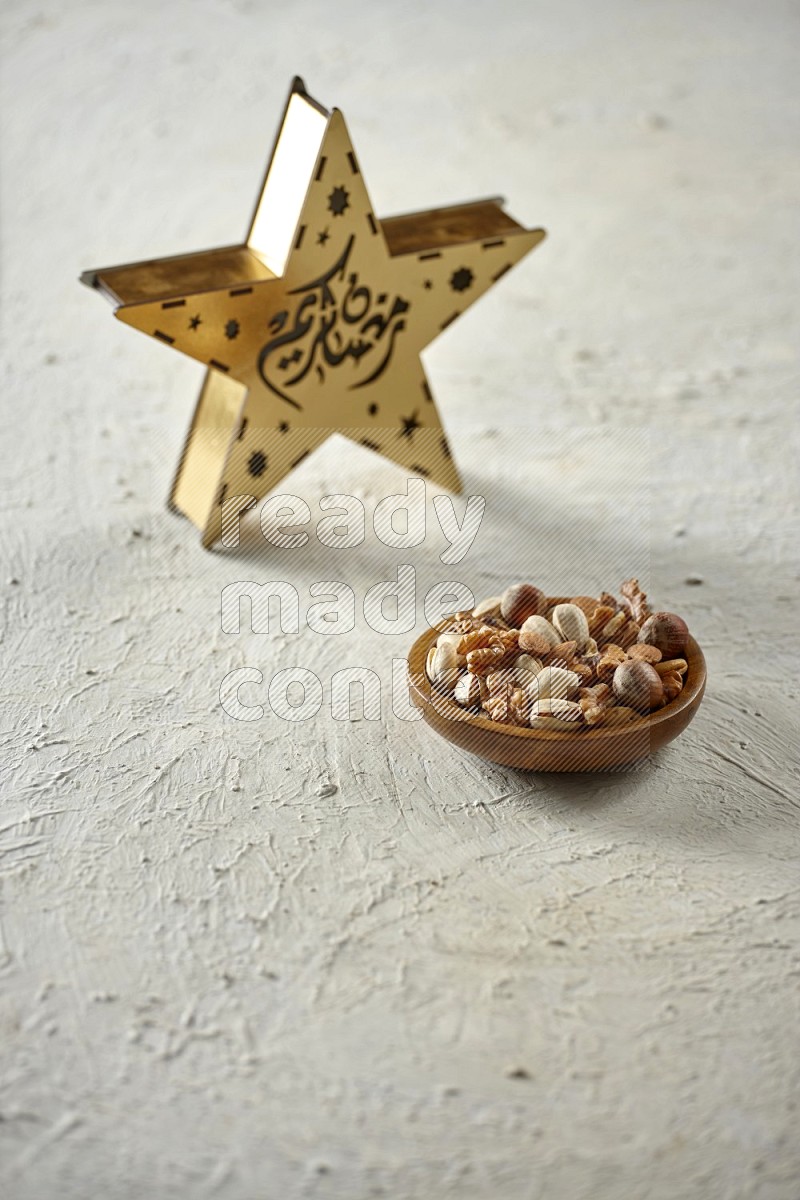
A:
x,y
545,750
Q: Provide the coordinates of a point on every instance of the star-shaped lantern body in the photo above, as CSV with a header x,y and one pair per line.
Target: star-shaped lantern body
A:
x,y
315,323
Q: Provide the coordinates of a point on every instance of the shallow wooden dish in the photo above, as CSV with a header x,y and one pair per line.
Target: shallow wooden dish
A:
x,y
544,750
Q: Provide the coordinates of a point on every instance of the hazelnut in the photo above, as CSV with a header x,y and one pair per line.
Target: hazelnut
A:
x,y
667,632
638,685
520,601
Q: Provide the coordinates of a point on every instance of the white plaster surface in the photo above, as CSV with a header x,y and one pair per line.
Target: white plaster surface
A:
x,y
220,976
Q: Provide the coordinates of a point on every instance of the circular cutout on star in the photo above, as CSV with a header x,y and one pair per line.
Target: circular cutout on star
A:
x,y
257,463
461,279
338,201
232,330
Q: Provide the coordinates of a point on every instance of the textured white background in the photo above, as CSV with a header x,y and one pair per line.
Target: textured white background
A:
x,y
218,980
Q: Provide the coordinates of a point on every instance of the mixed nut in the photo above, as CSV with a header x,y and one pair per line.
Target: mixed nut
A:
x,y
523,659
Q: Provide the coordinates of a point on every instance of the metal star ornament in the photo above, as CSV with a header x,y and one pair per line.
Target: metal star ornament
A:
x,y
315,323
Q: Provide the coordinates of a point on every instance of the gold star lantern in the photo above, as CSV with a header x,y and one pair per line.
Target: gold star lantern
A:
x,y
315,323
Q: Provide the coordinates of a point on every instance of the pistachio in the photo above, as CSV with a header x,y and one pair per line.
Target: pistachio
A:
x,y
556,714
487,608
524,662
445,666
637,685
556,683
668,632
429,662
520,601
467,691
571,623
454,640
539,627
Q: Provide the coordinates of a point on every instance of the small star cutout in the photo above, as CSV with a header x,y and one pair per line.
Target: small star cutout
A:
x,y
257,464
232,330
409,425
194,322
427,285
322,237
338,201
283,427
461,279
